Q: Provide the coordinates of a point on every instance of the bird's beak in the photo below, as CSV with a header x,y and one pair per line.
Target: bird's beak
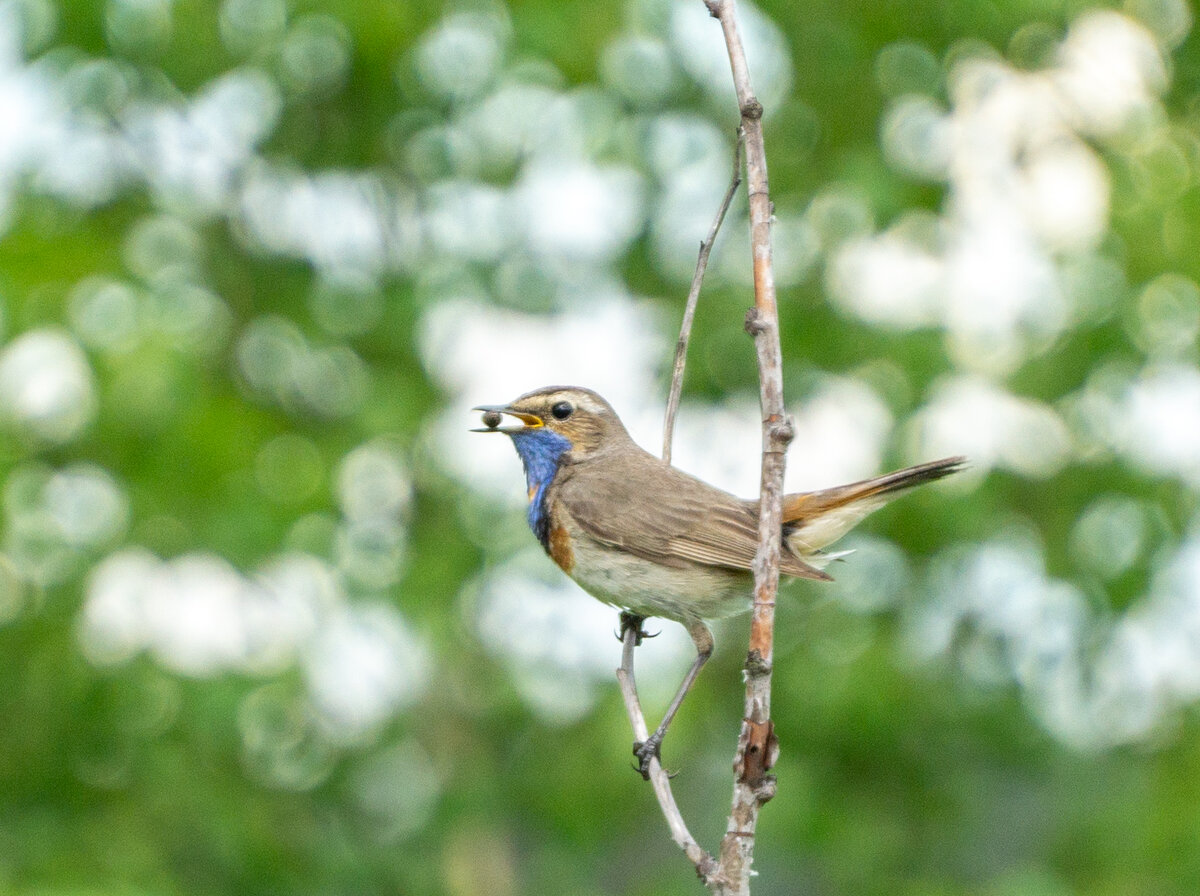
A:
x,y
493,414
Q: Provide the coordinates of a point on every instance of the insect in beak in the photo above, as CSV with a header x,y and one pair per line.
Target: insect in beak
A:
x,y
494,414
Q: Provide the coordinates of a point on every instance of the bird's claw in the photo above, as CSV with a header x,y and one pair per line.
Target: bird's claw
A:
x,y
645,750
632,621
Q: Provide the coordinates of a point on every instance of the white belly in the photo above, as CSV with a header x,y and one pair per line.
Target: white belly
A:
x,y
648,589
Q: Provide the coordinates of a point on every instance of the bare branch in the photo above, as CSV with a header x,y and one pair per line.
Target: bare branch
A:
x,y
757,746
705,863
689,311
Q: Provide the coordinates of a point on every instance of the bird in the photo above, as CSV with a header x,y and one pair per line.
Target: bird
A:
x,y
654,541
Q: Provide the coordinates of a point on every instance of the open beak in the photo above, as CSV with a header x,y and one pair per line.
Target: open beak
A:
x,y
493,415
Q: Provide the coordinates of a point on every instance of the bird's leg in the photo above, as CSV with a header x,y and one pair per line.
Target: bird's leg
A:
x,y
644,750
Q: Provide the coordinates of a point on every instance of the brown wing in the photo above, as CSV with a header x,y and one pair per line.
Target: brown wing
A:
x,y
639,504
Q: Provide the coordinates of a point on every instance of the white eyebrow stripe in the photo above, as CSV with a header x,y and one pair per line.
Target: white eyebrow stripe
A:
x,y
578,399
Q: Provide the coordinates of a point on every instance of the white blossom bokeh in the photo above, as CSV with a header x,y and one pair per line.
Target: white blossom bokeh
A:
x,y
517,283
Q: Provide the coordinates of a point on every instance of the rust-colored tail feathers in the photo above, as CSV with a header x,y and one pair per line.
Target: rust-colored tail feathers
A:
x,y
813,520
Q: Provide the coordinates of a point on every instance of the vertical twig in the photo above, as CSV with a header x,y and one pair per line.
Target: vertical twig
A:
x,y
729,874
689,310
757,747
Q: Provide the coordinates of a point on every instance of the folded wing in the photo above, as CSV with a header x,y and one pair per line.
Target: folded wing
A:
x,y
664,515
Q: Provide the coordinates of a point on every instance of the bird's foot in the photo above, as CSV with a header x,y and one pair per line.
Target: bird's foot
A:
x,y
648,749
632,621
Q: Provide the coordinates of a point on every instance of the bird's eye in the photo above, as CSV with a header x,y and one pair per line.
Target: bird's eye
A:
x,y
562,410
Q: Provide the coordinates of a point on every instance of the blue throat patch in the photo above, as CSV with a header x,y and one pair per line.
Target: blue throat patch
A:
x,y
541,450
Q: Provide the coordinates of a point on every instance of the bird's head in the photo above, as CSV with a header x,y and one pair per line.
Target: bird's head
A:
x,y
557,418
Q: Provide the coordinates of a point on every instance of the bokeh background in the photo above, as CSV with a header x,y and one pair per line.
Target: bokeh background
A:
x,y
271,620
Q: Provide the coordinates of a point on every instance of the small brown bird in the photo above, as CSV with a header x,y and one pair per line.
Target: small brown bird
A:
x,y
647,538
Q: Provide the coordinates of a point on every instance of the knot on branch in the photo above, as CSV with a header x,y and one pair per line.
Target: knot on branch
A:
x,y
714,8
759,754
707,869
752,109
754,323
766,789
756,664
780,429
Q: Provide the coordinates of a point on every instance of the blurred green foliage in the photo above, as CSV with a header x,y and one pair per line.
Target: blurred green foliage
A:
x,y
895,777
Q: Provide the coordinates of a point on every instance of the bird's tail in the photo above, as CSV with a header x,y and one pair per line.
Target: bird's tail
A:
x,y
813,520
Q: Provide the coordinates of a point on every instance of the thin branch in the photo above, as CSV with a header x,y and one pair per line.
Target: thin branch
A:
x,y
757,746
659,779
706,865
689,311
